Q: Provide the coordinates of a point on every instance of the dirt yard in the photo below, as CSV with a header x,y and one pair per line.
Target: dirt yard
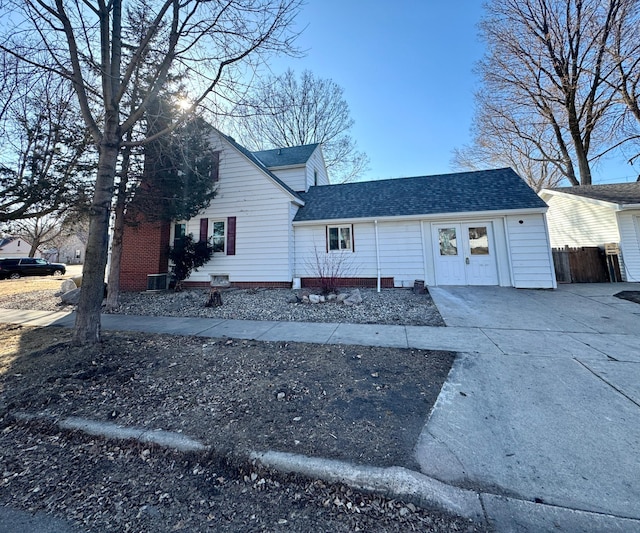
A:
x,y
360,404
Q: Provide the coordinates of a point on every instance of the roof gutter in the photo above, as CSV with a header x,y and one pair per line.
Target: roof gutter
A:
x,y
463,215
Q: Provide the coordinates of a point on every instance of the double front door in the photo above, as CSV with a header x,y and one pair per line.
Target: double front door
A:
x,y
465,254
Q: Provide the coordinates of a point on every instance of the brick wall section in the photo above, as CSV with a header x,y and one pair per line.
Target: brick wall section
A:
x,y
385,283
145,249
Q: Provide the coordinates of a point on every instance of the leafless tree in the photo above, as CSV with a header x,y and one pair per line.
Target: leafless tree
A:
x,y
547,71
503,140
45,155
284,111
39,231
625,54
83,41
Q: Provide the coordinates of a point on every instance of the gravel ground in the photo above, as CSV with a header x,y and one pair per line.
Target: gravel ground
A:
x,y
389,306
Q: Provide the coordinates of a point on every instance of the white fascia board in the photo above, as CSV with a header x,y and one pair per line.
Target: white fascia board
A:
x,y
626,207
287,167
466,215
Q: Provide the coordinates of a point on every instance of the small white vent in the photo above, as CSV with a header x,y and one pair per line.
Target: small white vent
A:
x,y
220,280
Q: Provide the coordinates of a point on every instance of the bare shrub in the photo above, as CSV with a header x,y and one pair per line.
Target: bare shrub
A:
x,y
329,268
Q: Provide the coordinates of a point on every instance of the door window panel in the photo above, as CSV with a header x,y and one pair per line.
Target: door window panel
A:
x,y
448,241
479,241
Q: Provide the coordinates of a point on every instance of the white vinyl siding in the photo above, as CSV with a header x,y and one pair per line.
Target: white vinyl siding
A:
x,y
575,222
295,178
530,253
629,224
316,168
406,251
300,178
400,247
262,211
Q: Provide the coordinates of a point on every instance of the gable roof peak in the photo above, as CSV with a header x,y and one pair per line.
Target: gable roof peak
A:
x,y
286,156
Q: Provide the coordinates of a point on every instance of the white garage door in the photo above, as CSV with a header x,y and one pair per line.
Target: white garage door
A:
x,y
465,254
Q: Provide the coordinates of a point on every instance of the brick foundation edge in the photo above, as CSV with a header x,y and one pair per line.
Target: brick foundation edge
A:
x,y
370,283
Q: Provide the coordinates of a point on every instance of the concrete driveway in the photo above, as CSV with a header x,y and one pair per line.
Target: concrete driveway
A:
x,y
550,422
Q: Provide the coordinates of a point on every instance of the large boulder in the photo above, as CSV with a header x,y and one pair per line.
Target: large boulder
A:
x,y
71,297
67,285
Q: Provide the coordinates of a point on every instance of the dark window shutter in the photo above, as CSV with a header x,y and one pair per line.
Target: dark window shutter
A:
x,y
215,166
231,236
353,240
204,228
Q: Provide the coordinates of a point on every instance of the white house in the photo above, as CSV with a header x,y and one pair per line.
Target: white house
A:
x,y
469,228
275,221
595,215
15,247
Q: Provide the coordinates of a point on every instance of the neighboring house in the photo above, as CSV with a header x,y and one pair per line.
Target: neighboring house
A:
x,y
596,215
15,247
71,250
275,221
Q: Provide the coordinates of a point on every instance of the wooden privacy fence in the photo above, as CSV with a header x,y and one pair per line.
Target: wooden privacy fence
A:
x,y
587,264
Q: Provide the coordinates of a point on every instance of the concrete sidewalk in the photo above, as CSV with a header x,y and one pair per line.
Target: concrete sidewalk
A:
x,y
471,340
539,420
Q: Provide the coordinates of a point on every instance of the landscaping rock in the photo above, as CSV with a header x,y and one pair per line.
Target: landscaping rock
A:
x,y
314,298
293,299
354,298
67,285
71,297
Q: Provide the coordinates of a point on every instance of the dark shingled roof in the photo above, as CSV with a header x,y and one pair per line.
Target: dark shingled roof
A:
x,y
484,190
617,193
283,157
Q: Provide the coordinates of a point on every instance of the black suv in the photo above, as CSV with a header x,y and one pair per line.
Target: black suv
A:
x,y
14,268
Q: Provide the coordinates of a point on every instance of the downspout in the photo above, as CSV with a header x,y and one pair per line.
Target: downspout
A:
x,y
375,223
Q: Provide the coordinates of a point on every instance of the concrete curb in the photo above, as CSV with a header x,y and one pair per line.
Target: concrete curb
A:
x,y
395,481
502,513
166,439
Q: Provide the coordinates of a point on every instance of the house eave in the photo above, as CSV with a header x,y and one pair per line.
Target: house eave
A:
x,y
267,172
287,167
464,215
628,207
546,193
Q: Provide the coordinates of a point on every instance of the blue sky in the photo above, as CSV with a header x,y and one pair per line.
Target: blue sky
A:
x,y
407,71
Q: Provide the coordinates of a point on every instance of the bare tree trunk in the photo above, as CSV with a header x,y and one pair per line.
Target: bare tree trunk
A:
x,y
113,283
87,327
34,248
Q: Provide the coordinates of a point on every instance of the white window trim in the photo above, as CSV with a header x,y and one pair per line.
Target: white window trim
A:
x,y
212,222
339,249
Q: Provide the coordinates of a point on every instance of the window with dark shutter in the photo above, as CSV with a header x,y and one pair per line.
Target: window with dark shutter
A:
x,y
231,236
204,229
